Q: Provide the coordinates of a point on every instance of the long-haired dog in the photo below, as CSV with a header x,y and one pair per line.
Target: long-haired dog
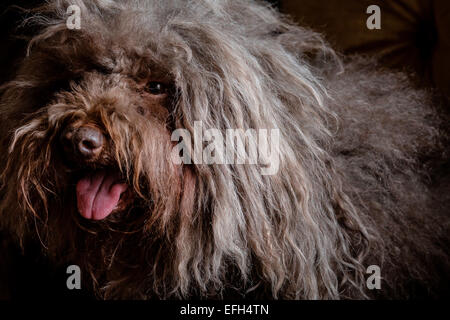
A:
x,y
88,168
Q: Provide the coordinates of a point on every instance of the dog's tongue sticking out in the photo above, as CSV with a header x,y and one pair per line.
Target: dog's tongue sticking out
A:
x,y
98,194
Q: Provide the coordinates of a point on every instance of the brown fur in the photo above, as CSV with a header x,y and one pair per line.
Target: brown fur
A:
x,y
351,190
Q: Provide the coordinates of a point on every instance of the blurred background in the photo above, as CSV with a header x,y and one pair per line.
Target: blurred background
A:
x,y
414,35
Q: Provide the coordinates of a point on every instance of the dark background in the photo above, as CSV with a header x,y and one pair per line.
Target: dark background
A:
x,y
414,34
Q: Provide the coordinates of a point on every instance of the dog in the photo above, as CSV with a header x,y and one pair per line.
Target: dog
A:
x,y
89,172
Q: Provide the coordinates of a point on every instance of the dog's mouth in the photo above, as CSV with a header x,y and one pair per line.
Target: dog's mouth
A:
x,y
100,193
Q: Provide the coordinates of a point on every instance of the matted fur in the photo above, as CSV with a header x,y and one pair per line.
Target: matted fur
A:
x,y
350,191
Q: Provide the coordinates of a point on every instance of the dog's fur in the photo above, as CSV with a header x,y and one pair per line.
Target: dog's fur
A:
x,y
351,190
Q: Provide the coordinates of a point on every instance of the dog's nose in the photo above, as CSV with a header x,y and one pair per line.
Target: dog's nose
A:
x,y
88,141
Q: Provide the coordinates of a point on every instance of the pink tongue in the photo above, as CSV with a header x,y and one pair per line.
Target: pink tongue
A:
x,y
98,195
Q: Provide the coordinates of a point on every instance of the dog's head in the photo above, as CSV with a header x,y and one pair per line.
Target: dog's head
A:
x,y
88,124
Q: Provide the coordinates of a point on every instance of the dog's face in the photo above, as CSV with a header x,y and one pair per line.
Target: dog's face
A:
x,y
98,126
111,128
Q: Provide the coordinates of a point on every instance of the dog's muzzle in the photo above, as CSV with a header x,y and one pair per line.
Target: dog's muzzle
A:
x,y
99,188
86,142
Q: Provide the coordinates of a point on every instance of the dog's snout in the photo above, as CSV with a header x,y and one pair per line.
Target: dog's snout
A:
x,y
87,141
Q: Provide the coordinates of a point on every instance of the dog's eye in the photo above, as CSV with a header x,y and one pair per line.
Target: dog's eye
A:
x,y
156,88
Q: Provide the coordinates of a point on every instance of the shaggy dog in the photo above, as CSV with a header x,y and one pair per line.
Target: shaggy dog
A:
x,y
89,173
